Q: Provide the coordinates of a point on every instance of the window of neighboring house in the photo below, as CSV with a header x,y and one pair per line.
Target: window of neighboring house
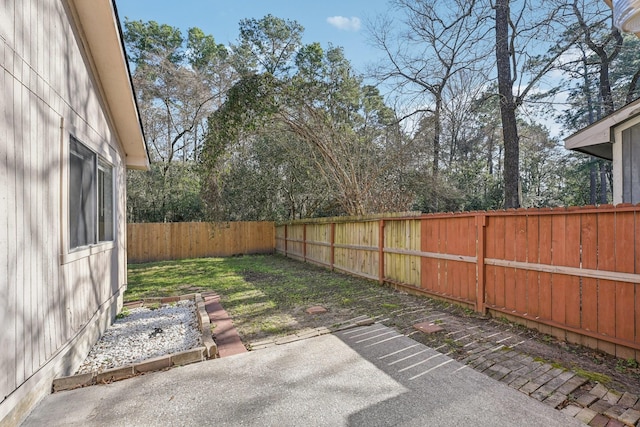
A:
x,y
90,197
631,165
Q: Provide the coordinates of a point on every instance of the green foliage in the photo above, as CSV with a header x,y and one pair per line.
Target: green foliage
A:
x,y
304,137
202,51
148,40
159,196
592,376
177,80
123,313
270,128
267,45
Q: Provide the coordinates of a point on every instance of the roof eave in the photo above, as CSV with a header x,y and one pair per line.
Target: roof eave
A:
x,y
601,132
97,20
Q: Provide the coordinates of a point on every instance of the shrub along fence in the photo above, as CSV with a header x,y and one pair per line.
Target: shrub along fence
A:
x,y
147,242
572,273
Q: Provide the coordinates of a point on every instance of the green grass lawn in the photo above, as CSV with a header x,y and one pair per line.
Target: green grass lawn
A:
x,y
268,294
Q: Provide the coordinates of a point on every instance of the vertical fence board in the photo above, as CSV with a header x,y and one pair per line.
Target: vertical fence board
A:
x,y
521,256
558,257
500,228
544,279
450,246
440,272
490,270
429,266
416,243
510,236
572,259
472,249
606,261
533,256
624,262
589,241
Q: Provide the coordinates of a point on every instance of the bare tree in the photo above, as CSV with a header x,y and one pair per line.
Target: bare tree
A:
x,y
607,47
520,32
438,41
176,86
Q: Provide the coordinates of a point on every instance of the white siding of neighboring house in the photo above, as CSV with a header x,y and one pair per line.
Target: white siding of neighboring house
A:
x,y
53,303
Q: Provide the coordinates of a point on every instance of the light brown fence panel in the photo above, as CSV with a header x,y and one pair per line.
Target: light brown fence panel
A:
x,y
280,236
295,241
319,244
401,238
147,242
356,248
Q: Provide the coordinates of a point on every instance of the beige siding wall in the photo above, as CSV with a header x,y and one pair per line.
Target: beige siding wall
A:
x,y
50,299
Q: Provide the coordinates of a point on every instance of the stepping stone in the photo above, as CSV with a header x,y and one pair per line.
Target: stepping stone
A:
x,y
316,309
428,328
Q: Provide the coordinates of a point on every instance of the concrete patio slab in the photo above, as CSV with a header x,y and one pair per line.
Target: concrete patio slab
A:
x,y
349,378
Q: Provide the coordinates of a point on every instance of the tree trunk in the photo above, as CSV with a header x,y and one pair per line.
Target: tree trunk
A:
x,y
507,107
587,88
593,185
603,183
605,89
437,127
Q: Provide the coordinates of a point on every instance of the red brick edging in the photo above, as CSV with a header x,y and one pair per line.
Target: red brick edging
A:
x,y
226,335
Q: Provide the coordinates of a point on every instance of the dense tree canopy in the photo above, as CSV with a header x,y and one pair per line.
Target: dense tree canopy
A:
x,y
271,128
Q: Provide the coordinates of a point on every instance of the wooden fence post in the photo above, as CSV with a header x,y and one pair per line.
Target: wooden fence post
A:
x,y
332,241
481,223
381,251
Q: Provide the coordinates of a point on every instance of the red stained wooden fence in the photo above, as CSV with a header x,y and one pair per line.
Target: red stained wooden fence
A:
x,y
573,273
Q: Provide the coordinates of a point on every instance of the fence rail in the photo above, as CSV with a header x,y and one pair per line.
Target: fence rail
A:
x,y
148,242
573,273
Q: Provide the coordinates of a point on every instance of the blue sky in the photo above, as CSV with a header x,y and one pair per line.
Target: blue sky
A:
x,y
339,22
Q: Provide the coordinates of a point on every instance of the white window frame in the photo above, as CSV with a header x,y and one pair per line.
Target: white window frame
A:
x,y
103,160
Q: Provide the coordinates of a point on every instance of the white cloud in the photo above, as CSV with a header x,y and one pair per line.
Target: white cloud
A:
x,y
343,23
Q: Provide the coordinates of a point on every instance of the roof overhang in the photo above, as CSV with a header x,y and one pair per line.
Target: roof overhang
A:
x,y
99,28
610,4
597,138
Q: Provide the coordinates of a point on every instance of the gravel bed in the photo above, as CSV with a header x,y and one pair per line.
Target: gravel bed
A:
x,y
143,334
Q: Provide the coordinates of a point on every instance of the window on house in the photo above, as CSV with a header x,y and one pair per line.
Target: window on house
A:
x,y
105,202
90,197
